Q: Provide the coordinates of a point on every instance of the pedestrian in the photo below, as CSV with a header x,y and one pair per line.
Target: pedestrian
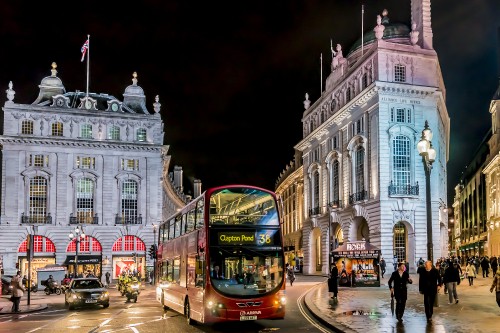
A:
x,y
496,285
470,271
452,279
395,263
382,266
494,264
290,273
400,292
108,275
17,291
429,285
333,281
485,266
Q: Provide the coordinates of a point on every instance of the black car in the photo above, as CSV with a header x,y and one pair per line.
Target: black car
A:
x,y
6,288
85,292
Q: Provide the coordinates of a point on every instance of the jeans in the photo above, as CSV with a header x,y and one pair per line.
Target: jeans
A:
x,y
429,304
452,291
471,280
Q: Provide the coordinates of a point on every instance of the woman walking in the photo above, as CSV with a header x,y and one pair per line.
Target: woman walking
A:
x,y
470,270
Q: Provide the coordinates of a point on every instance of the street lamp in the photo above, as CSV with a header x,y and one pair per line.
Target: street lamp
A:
x,y
154,257
428,154
77,235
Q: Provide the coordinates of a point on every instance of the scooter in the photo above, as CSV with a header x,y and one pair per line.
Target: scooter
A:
x,y
132,291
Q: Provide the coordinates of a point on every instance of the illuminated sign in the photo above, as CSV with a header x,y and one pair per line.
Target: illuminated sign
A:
x,y
358,246
265,237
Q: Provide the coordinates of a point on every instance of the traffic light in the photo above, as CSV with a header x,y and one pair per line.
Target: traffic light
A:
x,y
152,251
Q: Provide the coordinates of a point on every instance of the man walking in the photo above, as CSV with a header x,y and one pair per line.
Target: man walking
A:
x,y
429,285
382,266
485,266
494,265
400,278
108,275
17,291
452,279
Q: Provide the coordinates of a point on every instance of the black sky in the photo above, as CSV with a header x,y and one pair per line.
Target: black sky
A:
x,y
234,74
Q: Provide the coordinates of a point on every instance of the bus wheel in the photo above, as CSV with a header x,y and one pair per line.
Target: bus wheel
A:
x,y
187,313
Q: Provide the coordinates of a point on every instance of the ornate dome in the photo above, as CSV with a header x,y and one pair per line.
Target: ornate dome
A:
x,y
392,31
50,86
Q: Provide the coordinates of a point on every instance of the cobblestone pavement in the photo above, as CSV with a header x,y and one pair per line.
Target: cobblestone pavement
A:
x,y
368,309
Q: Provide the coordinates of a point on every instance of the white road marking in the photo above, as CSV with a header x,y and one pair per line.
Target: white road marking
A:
x,y
304,313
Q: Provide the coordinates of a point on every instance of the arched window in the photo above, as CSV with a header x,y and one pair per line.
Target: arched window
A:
x,y
38,199
141,134
88,244
399,241
57,129
40,244
129,243
359,169
27,127
85,201
401,162
129,201
114,133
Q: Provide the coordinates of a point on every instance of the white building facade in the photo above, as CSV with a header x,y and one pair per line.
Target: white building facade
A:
x,y
364,179
91,162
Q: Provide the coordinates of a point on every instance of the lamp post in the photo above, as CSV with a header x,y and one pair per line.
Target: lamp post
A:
x,y
428,154
154,258
77,235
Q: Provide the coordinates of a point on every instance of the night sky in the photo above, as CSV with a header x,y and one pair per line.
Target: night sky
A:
x,y
232,77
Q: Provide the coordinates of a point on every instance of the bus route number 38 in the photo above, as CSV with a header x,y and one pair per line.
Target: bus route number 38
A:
x,y
264,239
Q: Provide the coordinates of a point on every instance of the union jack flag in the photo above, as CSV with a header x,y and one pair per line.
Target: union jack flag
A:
x,y
84,48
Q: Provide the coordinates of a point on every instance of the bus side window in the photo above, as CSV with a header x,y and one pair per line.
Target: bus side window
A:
x,y
191,270
200,272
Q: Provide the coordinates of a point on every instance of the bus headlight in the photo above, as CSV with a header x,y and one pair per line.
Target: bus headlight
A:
x,y
210,304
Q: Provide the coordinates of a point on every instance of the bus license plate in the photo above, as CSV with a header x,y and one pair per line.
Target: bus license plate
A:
x,y
248,318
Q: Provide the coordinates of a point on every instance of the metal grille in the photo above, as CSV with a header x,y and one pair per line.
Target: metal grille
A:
x,y
85,200
38,199
129,200
400,241
27,127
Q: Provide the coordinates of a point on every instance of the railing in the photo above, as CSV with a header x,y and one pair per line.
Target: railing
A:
x,y
83,219
128,220
41,219
336,204
403,189
358,196
314,211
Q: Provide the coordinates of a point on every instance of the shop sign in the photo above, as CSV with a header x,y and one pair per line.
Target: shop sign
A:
x,y
357,246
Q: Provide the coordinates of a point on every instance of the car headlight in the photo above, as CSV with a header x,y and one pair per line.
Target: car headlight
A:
x,y
105,294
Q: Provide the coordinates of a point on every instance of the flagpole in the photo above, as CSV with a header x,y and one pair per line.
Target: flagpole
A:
x,y
88,61
321,70
362,28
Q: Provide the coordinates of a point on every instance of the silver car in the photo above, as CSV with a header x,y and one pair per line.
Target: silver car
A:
x,y
86,292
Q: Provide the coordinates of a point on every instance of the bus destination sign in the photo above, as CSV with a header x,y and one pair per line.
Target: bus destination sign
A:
x,y
245,238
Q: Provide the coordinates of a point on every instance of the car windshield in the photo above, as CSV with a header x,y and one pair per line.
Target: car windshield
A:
x,y
87,284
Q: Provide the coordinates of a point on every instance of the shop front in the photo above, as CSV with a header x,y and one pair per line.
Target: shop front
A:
x,y
86,263
129,264
36,263
357,263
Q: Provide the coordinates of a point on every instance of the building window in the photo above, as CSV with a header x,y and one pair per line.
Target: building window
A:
x,y
401,115
358,126
83,162
114,133
401,161
38,161
359,169
27,127
364,81
85,200
348,95
86,131
129,200
315,192
129,164
333,105
315,155
311,126
399,73
57,129
399,242
335,181
141,134
38,199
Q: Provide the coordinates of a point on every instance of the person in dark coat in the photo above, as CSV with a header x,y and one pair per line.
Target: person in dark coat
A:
x,y
382,266
429,284
452,278
400,278
494,265
485,266
332,281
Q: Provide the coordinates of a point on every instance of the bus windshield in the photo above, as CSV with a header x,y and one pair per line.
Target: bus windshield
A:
x,y
243,206
245,271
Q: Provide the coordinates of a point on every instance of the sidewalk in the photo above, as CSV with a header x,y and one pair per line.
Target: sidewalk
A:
x,y
362,308
37,303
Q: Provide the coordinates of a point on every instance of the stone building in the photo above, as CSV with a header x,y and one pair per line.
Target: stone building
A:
x,y
363,177
84,163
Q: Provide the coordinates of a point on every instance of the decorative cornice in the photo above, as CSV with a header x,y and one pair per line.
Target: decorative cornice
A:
x,y
401,90
84,144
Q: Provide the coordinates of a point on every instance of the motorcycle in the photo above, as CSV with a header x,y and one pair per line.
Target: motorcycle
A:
x,y
132,291
52,289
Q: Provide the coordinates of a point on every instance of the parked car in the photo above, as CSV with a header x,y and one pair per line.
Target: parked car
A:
x,y
86,292
6,288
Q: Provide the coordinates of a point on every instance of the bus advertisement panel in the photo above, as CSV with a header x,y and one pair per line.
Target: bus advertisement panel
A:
x,y
220,258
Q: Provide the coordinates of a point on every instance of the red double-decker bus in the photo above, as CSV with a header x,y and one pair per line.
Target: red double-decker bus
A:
x,y
220,258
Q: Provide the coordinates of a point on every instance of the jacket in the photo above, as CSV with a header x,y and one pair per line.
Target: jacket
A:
x,y
470,270
496,283
17,286
400,282
429,281
451,274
